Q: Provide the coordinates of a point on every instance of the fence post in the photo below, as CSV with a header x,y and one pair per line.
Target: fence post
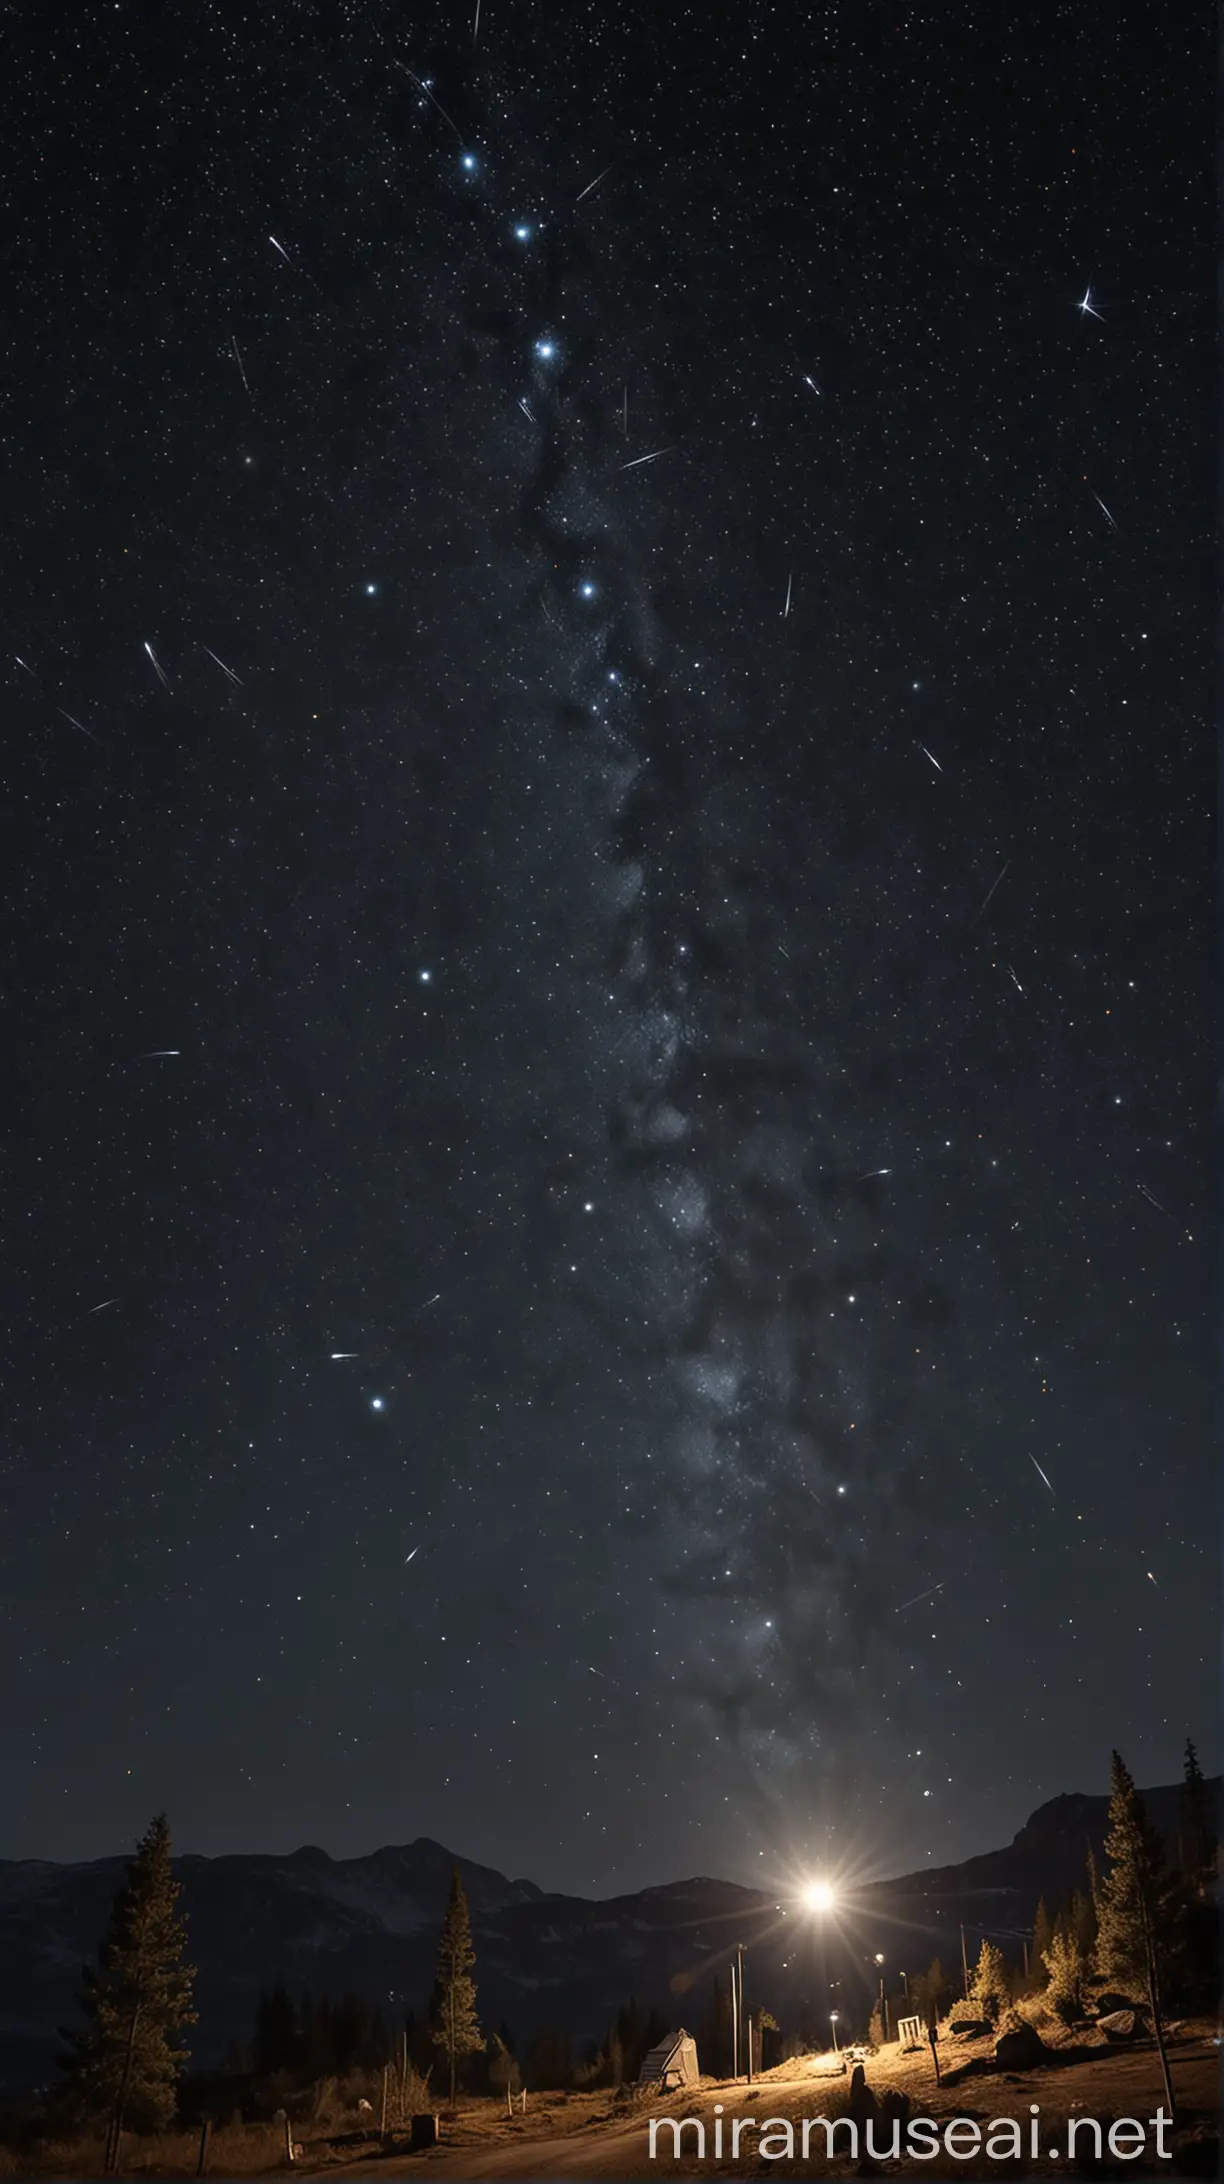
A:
x,y
202,2156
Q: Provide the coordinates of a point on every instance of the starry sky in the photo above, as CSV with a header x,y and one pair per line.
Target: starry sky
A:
x,y
607,962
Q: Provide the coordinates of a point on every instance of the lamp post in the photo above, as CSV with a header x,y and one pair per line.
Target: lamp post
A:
x,y
879,1957
833,2016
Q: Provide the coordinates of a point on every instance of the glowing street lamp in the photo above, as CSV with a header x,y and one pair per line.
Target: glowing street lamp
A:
x,y
819,1896
833,2017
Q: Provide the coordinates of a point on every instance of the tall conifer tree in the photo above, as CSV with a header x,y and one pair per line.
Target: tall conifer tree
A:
x,y
456,2027
125,2064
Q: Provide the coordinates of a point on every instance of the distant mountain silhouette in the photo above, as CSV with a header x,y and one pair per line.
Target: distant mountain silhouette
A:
x,y
369,1926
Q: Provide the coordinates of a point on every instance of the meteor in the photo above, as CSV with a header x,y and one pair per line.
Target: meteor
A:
x,y
1040,1473
158,669
930,754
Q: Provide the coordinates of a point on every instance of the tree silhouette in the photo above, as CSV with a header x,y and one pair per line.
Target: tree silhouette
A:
x,y
456,2027
1131,1903
988,1987
125,2064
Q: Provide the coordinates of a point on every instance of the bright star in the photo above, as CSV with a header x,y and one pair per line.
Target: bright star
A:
x,y
546,349
469,161
376,1403
523,234
588,591
371,591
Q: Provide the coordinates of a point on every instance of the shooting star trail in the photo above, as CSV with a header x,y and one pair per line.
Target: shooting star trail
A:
x,y
812,384
1151,1579
647,458
594,185
476,24
408,1558
160,1054
221,664
1040,1473
29,670
74,723
101,1307
1154,1201
284,253
238,355
1111,520
990,894
1087,307
920,1596
931,755
158,669
1015,981
425,91
872,1172
337,1354
526,412
596,1672
428,1301
789,585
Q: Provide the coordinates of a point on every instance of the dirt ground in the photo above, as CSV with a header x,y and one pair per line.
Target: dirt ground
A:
x,y
592,2136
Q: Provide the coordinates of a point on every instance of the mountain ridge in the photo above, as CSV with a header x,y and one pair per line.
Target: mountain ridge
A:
x,y
368,1925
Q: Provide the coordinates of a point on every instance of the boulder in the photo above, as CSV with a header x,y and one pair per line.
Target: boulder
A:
x,y
1128,2024
1022,2049
1105,2004
971,2028
424,2132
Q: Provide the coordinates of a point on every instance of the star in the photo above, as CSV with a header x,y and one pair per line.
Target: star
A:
x,y
546,349
377,1403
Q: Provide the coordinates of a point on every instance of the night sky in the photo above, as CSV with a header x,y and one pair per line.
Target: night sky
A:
x,y
608,961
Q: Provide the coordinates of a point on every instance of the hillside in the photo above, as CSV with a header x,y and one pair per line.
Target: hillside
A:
x,y
369,1925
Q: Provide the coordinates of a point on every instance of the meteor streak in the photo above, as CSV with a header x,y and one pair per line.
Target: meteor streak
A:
x,y
158,669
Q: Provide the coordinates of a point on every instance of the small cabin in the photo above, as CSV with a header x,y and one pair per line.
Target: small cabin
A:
x,y
672,2064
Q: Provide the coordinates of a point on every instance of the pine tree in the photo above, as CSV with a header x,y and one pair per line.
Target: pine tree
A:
x,y
1066,1962
1131,1903
125,2064
456,2028
1194,1844
1129,1894
988,1989
930,1991
1043,1935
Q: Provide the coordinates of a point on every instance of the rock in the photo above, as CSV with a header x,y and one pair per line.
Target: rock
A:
x,y
1125,2024
863,2102
970,2028
424,2132
1106,2003
1022,2049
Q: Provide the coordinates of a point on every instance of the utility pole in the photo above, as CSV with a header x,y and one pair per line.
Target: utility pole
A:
x,y
744,2023
734,2029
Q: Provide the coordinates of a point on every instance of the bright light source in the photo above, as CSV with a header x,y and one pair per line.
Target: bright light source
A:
x,y
818,1896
